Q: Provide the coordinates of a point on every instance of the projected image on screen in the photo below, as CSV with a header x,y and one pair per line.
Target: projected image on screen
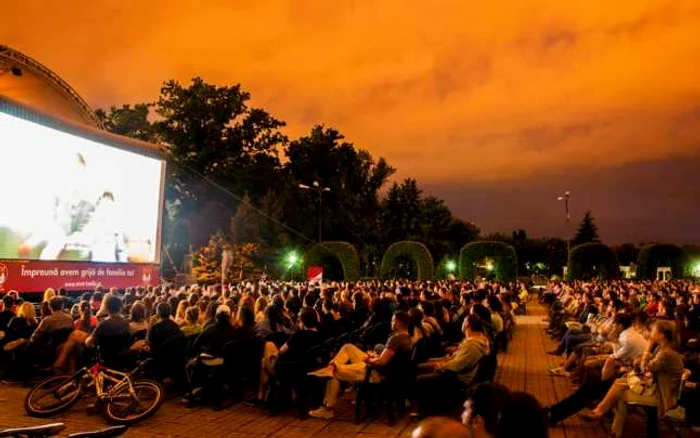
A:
x,y
68,198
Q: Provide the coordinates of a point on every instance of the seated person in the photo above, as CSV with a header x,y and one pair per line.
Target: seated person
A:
x,y
350,364
630,345
664,365
86,321
191,325
209,343
483,409
163,329
305,338
446,375
22,325
138,326
56,321
440,427
8,302
111,336
217,334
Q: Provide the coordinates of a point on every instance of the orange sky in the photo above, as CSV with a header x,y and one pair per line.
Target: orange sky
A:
x,y
448,91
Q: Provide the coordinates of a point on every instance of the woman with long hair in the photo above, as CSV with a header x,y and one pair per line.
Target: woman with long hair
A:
x,y
180,317
21,326
86,322
662,364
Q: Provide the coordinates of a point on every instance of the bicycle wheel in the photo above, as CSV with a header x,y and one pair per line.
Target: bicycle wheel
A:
x,y
123,407
51,396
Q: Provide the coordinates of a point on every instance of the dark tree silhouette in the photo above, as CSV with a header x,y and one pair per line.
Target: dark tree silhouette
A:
x,y
587,231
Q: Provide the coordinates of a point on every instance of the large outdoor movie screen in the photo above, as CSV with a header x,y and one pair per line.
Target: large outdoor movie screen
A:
x,y
64,197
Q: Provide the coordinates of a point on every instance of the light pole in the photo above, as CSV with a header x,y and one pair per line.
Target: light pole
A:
x,y
316,186
565,198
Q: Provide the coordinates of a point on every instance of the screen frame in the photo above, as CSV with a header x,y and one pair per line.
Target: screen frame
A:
x,y
104,138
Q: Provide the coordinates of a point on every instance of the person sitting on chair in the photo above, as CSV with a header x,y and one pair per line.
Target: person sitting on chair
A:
x,y
350,364
667,367
447,374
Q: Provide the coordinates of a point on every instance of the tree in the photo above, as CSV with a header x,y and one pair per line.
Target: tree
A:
x,y
129,121
401,212
587,231
626,253
354,177
245,224
216,141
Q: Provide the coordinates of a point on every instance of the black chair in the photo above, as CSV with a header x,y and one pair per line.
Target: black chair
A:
x,y
376,334
139,335
393,389
293,376
114,351
169,361
486,369
236,368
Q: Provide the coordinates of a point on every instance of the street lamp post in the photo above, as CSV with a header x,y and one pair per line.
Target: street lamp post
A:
x,y
565,198
316,186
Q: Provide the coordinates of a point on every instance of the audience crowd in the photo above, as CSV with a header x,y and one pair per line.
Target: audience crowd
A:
x,y
426,346
626,343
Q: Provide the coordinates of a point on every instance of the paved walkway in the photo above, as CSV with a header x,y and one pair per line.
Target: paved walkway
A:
x,y
523,368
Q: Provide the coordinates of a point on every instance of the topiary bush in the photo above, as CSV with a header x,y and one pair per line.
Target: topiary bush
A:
x,y
416,251
505,259
592,260
345,253
654,256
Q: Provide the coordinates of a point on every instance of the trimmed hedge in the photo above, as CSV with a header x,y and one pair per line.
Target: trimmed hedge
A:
x,y
653,256
343,251
589,258
416,251
504,257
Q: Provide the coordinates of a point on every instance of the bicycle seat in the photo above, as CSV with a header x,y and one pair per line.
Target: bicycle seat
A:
x,y
34,431
104,433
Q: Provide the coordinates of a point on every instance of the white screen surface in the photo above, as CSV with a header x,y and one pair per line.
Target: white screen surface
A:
x,y
65,197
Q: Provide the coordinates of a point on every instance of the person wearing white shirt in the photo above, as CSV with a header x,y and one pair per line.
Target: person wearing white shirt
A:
x,y
631,344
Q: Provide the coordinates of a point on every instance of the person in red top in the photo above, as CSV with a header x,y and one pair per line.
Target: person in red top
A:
x,y
87,321
652,307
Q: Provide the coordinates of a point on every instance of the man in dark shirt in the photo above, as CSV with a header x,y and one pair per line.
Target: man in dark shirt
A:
x,y
350,364
216,335
7,314
329,326
164,329
303,339
56,321
111,335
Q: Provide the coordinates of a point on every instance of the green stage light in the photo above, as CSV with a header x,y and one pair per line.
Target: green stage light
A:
x,y
451,266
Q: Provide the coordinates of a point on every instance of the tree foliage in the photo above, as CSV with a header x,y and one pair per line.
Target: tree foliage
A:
x,y
345,253
590,260
207,260
587,231
416,252
129,121
354,177
654,256
221,149
502,255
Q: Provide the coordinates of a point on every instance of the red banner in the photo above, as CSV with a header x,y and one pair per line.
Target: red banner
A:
x,y
36,276
314,274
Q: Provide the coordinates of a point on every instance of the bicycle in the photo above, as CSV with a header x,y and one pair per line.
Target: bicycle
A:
x,y
49,430
120,399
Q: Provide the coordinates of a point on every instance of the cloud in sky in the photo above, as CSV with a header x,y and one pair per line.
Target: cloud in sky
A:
x,y
448,91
